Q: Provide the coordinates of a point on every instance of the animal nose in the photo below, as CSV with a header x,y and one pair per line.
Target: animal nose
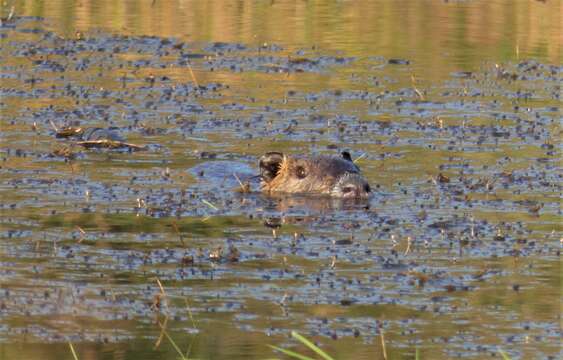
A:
x,y
353,185
356,191
363,191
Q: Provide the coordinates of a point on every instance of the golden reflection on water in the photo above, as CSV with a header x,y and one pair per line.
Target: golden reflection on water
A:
x,y
435,34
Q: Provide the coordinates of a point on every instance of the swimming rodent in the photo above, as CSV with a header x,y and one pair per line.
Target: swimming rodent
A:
x,y
336,176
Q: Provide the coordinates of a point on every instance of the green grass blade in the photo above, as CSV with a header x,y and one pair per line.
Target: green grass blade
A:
x,y
310,345
291,353
72,351
209,204
417,354
175,346
504,355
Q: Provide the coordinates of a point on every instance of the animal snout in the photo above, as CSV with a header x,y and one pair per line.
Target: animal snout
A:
x,y
353,186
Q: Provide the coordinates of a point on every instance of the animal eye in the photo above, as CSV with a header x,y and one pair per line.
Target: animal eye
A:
x,y
301,172
347,189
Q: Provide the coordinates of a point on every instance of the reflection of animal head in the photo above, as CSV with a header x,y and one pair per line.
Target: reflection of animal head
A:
x,y
322,174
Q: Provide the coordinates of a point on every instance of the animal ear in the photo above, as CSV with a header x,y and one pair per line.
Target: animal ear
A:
x,y
270,164
346,156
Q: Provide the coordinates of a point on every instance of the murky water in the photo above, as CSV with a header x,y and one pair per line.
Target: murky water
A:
x,y
452,110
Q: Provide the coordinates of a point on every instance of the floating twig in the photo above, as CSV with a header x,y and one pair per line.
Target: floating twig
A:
x,y
192,74
53,126
67,131
110,144
82,234
333,262
415,89
11,14
244,187
359,158
409,241
209,204
383,345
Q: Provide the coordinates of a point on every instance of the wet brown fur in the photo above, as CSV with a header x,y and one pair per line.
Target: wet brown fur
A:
x,y
322,171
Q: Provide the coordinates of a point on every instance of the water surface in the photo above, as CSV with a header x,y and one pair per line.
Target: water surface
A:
x,y
452,109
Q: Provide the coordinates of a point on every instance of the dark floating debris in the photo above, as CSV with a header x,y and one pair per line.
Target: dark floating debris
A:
x,y
398,62
463,74
109,144
97,138
443,178
67,132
